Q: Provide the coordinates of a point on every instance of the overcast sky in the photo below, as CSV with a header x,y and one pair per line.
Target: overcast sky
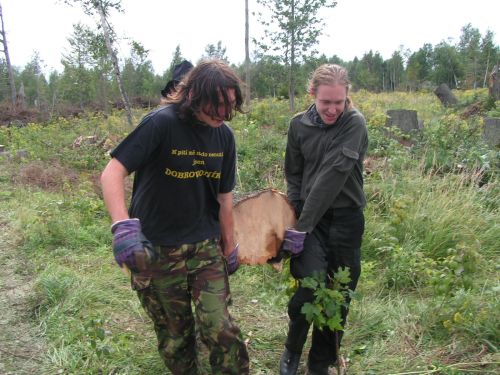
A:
x,y
352,28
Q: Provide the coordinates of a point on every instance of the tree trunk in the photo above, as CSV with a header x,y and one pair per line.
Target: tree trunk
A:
x,y
20,98
260,243
486,70
491,131
494,83
445,95
405,119
3,39
291,71
291,87
247,56
116,67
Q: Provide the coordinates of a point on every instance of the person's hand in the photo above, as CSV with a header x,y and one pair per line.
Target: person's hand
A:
x,y
130,246
232,260
293,242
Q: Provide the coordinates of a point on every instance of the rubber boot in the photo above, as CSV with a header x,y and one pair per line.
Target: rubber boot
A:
x,y
317,368
317,371
289,362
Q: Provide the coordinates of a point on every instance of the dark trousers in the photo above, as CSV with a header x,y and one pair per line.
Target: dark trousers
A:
x,y
335,242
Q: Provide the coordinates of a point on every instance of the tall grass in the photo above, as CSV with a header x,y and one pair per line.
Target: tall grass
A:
x,y
428,298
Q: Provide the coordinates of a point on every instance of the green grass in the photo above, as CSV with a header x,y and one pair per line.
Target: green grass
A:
x,y
428,296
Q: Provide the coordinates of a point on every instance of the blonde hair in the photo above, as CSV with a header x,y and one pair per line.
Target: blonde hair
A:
x,y
330,74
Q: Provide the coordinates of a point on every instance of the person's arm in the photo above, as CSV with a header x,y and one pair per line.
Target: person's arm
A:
x,y
226,222
294,165
131,249
113,190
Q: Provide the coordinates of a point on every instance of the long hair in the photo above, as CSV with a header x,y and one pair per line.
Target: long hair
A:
x,y
200,89
330,74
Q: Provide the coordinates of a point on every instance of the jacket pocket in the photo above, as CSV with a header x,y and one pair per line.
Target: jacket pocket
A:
x,y
351,154
347,158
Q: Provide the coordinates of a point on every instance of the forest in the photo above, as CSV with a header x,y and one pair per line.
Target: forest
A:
x,y
277,65
428,301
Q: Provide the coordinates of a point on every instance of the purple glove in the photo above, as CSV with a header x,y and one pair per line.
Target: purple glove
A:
x,y
130,247
293,242
232,260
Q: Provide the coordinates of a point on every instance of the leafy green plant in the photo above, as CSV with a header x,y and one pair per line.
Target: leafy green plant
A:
x,y
330,295
471,317
405,266
456,271
96,337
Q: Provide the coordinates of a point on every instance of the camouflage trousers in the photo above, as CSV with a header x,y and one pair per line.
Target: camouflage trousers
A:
x,y
192,275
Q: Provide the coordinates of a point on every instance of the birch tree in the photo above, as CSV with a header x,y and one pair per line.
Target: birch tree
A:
x,y
469,48
247,55
101,9
3,41
490,54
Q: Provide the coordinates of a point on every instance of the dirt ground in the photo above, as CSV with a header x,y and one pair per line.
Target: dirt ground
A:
x,y
21,344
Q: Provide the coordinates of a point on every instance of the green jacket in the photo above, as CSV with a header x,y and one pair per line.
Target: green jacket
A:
x,y
324,164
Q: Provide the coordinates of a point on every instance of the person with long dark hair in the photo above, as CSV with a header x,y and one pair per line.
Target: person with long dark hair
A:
x,y
177,237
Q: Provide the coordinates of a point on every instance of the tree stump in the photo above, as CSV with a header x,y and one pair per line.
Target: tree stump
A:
x,y
445,95
260,221
494,83
404,119
491,131
21,98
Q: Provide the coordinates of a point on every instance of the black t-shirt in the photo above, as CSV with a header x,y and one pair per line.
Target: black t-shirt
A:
x,y
180,168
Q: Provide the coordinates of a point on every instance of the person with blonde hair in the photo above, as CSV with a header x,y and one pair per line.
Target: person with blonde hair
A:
x,y
324,156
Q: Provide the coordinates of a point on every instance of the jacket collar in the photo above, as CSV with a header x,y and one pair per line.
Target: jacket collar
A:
x,y
311,117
